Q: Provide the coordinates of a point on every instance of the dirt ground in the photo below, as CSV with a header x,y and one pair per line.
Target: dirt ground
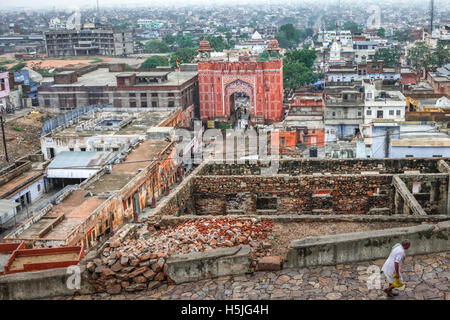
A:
x,y
283,233
23,142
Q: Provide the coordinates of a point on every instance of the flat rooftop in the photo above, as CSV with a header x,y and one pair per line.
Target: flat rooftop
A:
x,y
122,173
19,182
102,77
76,208
139,124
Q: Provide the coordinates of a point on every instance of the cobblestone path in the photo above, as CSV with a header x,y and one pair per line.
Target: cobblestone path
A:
x,y
426,277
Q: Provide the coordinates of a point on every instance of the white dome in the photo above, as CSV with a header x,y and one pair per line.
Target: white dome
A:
x,y
256,36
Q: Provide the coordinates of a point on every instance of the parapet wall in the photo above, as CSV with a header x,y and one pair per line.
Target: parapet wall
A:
x,y
364,246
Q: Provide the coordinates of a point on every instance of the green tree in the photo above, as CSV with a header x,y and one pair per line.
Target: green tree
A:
x,y
298,68
296,74
244,36
156,46
420,56
222,29
154,61
169,39
184,41
216,43
390,56
288,36
307,57
352,26
185,55
441,55
381,32
228,36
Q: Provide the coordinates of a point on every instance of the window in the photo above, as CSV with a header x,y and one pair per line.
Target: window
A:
x,y
171,104
282,141
133,104
39,187
71,149
132,95
143,95
359,114
266,203
380,114
154,94
369,112
398,112
171,94
115,149
154,104
391,112
82,149
98,149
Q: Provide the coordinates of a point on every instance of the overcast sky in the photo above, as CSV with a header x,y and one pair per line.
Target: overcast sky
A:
x,y
182,3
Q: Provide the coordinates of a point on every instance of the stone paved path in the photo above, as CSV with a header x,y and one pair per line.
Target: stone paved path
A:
x,y
426,277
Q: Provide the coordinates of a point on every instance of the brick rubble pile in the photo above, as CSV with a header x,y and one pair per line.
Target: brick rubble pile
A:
x,y
140,264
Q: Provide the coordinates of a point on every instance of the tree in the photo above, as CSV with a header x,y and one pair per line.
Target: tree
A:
x,y
228,36
169,39
184,41
307,57
222,29
381,32
441,55
156,46
244,36
185,55
390,56
154,61
216,43
420,56
288,36
298,68
353,27
296,74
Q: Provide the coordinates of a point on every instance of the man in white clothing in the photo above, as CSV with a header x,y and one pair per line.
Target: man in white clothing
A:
x,y
393,265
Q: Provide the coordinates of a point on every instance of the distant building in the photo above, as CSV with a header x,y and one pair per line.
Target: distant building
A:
x,y
256,44
110,84
4,91
383,105
440,80
89,40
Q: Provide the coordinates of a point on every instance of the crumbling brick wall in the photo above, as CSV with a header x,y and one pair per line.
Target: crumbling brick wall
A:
x,y
343,194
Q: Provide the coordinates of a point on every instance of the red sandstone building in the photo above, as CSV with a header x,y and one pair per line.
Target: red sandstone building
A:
x,y
220,82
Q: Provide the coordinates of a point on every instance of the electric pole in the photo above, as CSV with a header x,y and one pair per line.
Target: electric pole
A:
x,y
4,138
431,15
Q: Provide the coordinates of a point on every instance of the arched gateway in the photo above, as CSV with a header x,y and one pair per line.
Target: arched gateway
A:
x,y
221,81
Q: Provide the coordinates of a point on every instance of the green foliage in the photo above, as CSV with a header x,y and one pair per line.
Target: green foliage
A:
x,y
17,128
381,32
185,55
307,57
297,68
184,41
154,61
264,56
222,29
390,56
156,46
420,56
169,39
217,43
288,36
441,55
244,36
18,66
402,35
353,27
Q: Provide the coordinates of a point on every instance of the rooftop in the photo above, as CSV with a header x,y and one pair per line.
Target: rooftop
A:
x,y
145,154
102,77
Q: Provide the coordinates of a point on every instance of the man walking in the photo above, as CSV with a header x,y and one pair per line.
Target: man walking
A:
x,y
393,265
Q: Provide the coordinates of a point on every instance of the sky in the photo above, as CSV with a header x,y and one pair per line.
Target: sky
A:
x,y
35,4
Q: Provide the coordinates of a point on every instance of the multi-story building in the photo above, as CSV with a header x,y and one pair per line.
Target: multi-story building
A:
x,y
109,84
383,105
344,107
4,91
89,40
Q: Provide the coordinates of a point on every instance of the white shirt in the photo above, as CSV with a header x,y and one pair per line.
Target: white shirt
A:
x,y
397,255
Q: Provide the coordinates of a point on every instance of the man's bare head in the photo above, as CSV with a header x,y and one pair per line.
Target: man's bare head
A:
x,y
406,244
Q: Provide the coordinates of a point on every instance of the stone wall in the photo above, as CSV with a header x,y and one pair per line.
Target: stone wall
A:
x,y
338,194
341,166
364,246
